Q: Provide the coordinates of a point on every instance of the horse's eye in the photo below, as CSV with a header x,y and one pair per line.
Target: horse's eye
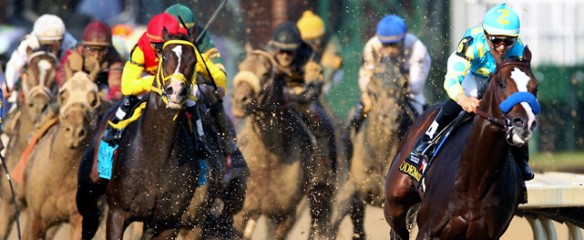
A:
x,y
501,83
163,58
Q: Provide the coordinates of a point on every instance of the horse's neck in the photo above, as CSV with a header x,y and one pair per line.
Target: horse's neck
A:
x,y
483,156
158,122
382,135
67,157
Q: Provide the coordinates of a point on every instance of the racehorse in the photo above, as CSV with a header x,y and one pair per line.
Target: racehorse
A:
x,y
37,91
472,187
278,148
374,144
157,168
51,172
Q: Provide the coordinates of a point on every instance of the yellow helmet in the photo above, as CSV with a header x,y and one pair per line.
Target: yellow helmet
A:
x,y
311,25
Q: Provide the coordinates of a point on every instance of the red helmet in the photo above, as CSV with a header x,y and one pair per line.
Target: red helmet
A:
x,y
160,22
97,33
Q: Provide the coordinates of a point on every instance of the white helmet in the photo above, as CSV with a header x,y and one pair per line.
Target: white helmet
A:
x,y
49,27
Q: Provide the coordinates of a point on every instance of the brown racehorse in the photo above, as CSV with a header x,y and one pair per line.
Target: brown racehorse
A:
x,y
37,91
157,168
473,188
51,175
278,147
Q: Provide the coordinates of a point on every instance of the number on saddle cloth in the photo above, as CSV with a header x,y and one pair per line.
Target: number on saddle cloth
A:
x,y
105,157
416,167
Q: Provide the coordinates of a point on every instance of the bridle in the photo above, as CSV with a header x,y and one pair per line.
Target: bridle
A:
x,y
41,87
176,76
504,123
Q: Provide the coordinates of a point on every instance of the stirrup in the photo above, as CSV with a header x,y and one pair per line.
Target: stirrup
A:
x,y
111,136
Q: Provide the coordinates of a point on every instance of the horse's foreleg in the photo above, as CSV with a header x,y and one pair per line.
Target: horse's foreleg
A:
x,y
358,217
246,224
399,197
8,212
165,234
76,222
116,224
284,225
35,227
342,205
320,201
88,194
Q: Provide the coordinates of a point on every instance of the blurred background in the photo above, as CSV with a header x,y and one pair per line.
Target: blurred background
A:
x,y
552,29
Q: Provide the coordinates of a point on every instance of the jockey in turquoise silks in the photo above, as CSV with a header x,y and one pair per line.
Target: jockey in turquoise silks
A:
x,y
469,69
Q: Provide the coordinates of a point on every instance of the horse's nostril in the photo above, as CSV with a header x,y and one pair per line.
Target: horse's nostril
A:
x,y
533,126
518,122
183,92
82,133
168,91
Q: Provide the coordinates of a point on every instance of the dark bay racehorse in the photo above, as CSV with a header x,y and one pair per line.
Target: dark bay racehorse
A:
x,y
278,147
157,168
473,187
374,144
37,90
51,168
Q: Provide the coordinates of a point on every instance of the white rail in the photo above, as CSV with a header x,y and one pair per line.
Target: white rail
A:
x,y
550,196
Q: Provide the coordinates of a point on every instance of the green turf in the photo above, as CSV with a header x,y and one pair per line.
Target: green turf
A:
x,y
558,161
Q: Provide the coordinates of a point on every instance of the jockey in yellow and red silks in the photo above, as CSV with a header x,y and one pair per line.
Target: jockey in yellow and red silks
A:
x,y
144,58
469,69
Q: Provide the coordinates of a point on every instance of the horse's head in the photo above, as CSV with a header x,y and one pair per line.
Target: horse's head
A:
x,y
79,100
40,78
256,74
512,94
388,89
175,71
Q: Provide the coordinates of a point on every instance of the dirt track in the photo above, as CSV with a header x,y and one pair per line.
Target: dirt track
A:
x,y
375,227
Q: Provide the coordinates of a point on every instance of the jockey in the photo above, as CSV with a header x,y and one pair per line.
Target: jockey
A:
x,y
392,40
303,72
48,34
469,68
144,59
312,31
298,66
236,165
96,57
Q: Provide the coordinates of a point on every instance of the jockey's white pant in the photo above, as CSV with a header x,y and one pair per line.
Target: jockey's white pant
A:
x,y
474,85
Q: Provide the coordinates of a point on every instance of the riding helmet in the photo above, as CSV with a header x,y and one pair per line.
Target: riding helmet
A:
x,y
286,37
184,12
97,33
49,27
501,21
159,22
391,29
310,25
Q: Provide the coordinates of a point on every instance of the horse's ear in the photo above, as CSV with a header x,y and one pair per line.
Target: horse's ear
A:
x,y
193,36
165,35
527,54
63,96
93,99
248,47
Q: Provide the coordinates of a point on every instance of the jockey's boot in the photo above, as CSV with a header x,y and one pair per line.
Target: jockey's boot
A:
x,y
235,164
112,135
359,115
521,156
424,146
